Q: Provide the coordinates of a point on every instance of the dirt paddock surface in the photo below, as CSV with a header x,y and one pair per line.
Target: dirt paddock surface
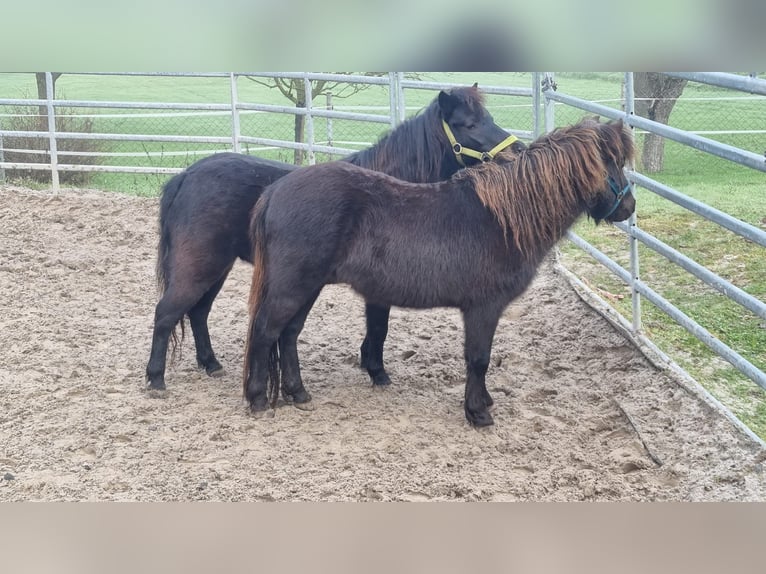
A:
x,y
76,422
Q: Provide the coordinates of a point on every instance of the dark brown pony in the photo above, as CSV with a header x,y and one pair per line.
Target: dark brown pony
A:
x,y
473,242
205,214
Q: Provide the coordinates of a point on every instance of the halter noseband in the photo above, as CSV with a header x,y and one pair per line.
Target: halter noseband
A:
x,y
618,194
481,156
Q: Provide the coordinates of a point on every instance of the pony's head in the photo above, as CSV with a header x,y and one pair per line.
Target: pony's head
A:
x,y
472,131
613,201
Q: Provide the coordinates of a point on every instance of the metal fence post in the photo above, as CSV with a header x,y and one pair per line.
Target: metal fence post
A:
x,y
536,87
393,98
329,106
2,159
630,110
52,131
235,128
550,110
309,119
400,108
397,112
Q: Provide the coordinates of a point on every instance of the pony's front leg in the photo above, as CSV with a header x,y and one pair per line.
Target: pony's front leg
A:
x,y
480,324
372,347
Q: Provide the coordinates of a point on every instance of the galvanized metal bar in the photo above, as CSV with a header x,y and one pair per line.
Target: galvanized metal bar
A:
x,y
702,273
142,137
118,105
235,127
295,145
498,90
309,119
401,108
599,256
19,133
328,123
635,296
739,227
536,79
348,78
724,80
393,99
158,74
2,159
550,106
52,131
723,350
97,168
656,355
21,102
318,112
712,147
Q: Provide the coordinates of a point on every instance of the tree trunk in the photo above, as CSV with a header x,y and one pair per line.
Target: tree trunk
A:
x,y
300,129
42,94
656,94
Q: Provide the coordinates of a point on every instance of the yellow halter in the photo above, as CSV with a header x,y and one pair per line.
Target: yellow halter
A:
x,y
481,156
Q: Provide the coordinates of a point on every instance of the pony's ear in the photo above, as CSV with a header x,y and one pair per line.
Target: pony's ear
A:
x,y
447,104
475,85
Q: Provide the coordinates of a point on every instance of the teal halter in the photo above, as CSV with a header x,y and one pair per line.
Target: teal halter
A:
x,y
618,194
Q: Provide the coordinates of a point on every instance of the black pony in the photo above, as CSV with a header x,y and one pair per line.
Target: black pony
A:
x,y
473,242
205,214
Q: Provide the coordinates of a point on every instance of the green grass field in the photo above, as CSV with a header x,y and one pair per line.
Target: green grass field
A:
x,y
734,189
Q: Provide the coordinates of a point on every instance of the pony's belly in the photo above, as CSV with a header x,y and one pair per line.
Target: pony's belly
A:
x,y
400,289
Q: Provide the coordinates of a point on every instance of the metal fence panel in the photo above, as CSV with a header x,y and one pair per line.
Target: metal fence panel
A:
x,y
739,227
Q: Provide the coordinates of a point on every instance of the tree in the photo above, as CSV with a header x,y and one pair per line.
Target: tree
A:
x,y
294,90
656,94
42,94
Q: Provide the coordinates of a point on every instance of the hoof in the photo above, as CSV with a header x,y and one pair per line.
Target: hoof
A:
x,y
301,399
156,384
216,371
258,405
264,414
480,419
305,406
213,368
380,379
156,393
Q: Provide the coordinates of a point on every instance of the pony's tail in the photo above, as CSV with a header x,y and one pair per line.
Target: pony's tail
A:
x,y
257,293
169,193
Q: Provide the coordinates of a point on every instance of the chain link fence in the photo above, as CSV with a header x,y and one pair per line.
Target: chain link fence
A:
x,y
177,134
99,118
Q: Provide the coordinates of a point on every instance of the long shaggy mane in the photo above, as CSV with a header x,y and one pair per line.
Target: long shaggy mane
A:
x,y
532,193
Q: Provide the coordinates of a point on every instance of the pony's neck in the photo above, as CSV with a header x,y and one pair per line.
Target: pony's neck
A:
x,y
537,196
417,150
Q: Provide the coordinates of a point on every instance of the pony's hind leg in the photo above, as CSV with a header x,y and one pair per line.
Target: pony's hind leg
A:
x,y
169,311
480,324
198,315
293,390
275,315
372,347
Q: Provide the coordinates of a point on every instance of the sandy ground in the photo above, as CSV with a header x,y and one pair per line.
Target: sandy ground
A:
x,y
77,294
